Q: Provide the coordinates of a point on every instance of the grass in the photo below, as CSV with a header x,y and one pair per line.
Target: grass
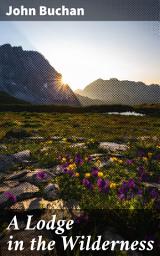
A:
x,y
142,133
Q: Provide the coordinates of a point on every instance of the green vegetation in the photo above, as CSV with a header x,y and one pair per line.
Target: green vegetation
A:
x,y
153,109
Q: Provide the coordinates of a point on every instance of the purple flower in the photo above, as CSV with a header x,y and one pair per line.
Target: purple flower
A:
x,y
157,157
141,153
78,159
10,196
154,193
100,184
121,196
140,170
106,186
90,158
129,161
41,175
87,183
131,183
94,172
139,192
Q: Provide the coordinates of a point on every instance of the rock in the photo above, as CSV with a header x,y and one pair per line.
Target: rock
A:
x,y
38,177
11,183
56,138
111,146
37,204
3,188
3,147
78,145
18,175
97,155
151,185
8,161
51,192
37,138
7,185
57,170
45,149
21,192
21,156
17,134
75,139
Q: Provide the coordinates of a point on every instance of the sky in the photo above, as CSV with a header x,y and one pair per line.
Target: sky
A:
x,y
85,51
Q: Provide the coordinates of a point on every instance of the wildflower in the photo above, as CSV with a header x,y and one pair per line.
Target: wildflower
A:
x,y
78,160
49,142
41,175
145,159
129,161
100,184
154,193
90,158
10,196
72,167
150,154
76,174
87,175
100,174
157,157
87,183
113,159
106,186
131,183
94,172
141,153
64,160
98,163
121,196
113,185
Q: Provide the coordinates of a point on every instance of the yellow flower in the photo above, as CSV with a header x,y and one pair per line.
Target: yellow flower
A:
x,y
120,161
113,185
77,174
63,160
150,154
87,175
98,163
71,167
145,159
158,146
113,159
100,174
49,142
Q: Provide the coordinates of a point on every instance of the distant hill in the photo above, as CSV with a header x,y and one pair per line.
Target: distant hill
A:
x,y
6,99
28,76
85,101
124,92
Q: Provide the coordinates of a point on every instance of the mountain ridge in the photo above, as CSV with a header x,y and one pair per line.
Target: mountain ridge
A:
x,y
114,91
28,76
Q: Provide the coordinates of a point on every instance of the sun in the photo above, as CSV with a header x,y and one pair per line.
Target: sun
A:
x,y
64,80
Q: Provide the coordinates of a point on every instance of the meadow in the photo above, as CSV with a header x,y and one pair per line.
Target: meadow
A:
x,y
112,179
122,185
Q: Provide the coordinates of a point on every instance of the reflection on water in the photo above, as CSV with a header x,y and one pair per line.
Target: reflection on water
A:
x,y
129,113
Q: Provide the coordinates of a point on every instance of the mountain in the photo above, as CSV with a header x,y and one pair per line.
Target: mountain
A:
x,y
125,92
6,99
85,101
28,76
